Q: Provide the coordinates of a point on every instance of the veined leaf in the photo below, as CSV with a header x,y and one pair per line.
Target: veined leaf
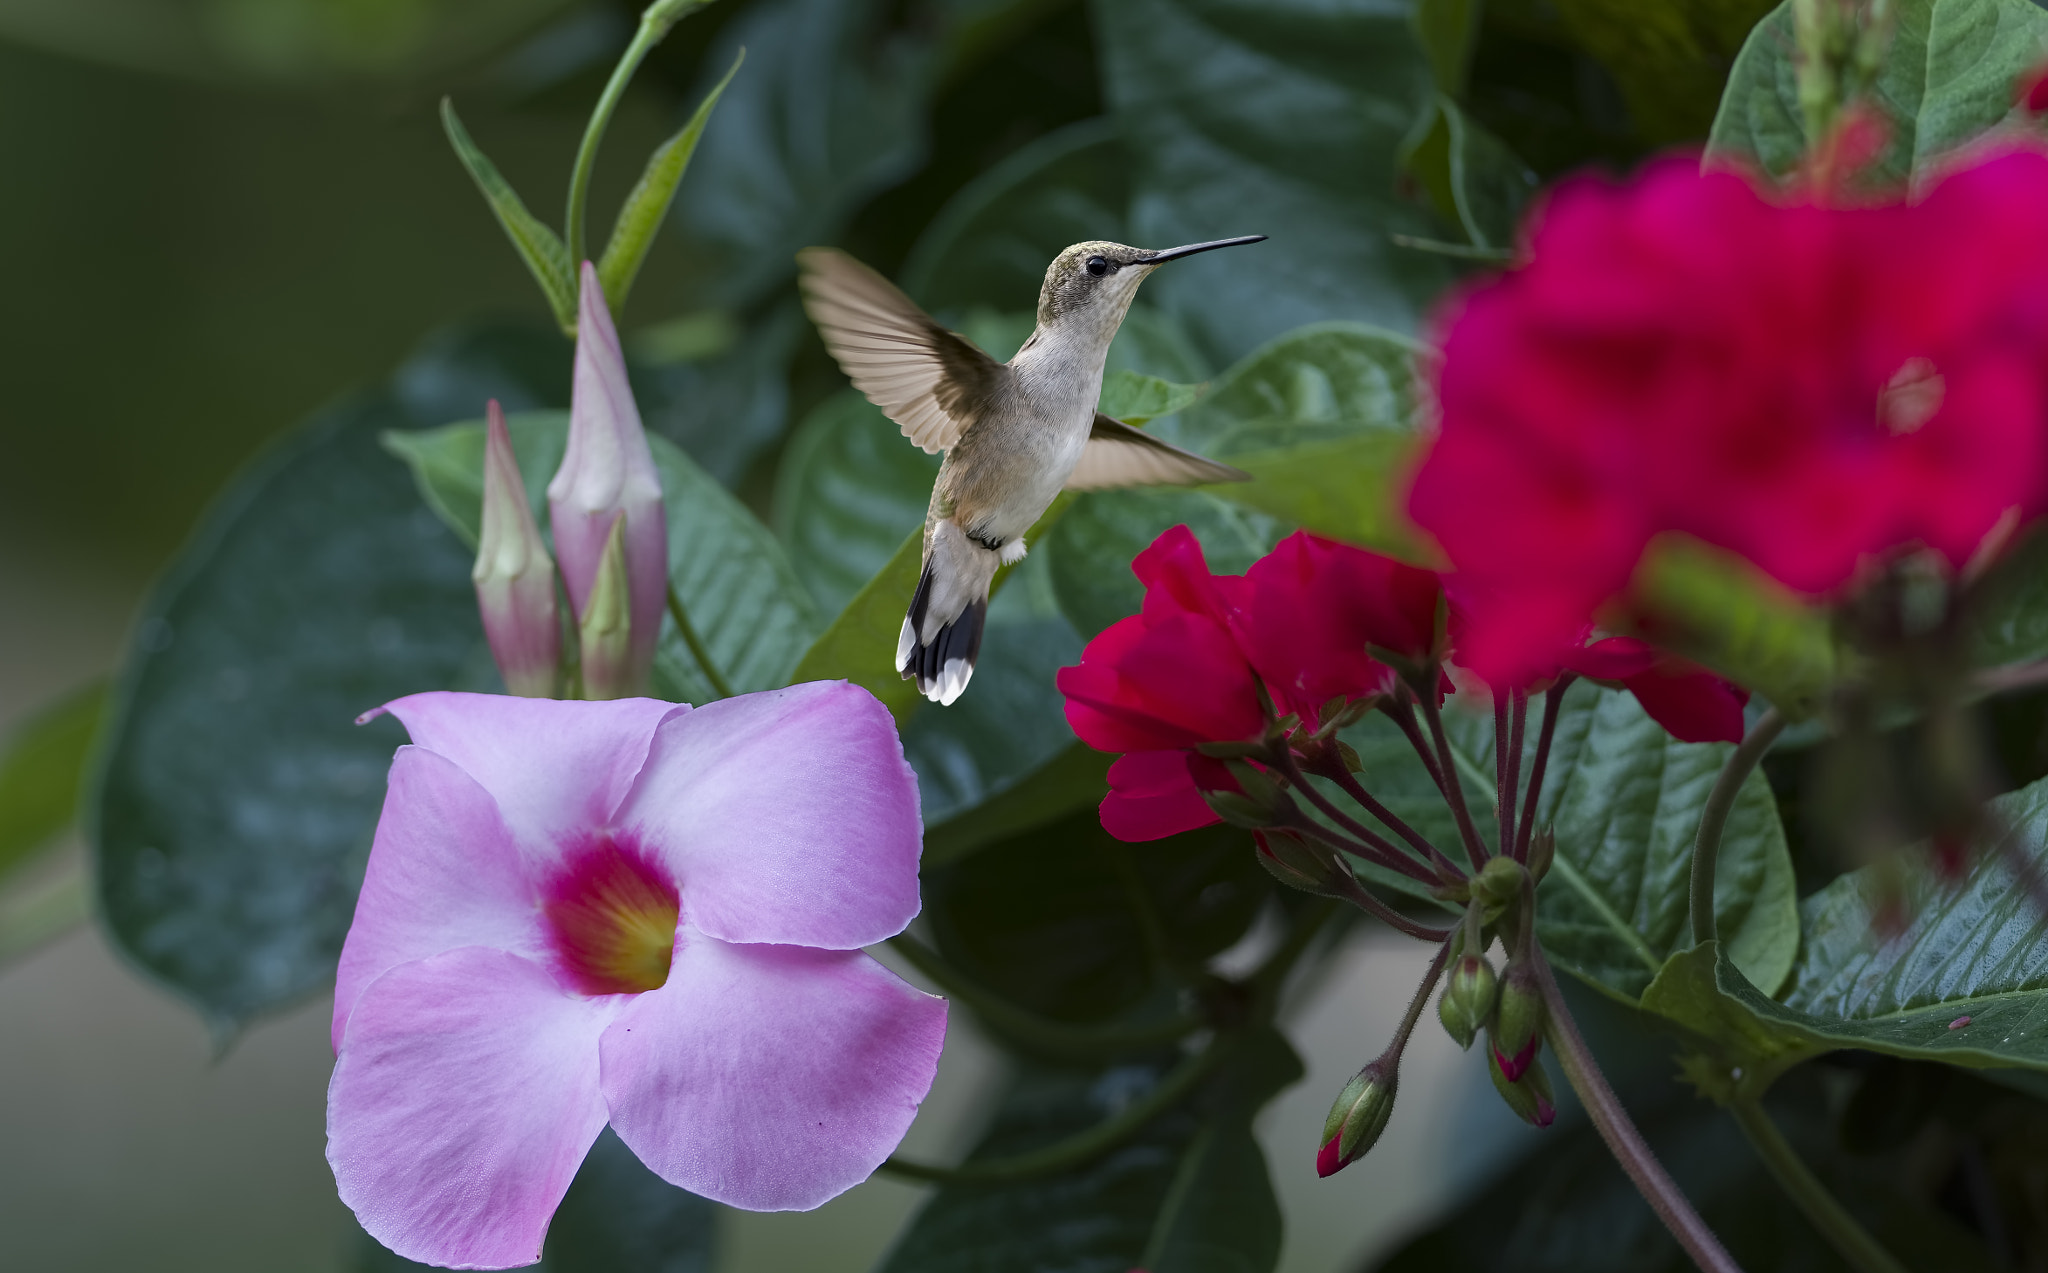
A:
x,y
1949,76
1669,57
647,206
1137,399
540,247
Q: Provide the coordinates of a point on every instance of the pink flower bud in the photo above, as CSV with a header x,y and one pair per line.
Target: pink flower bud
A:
x,y
1358,1117
607,473
514,576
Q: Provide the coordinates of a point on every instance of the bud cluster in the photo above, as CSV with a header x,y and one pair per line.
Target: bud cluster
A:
x,y
610,530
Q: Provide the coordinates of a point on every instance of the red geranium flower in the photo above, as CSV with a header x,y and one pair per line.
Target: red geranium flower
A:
x,y
1806,386
1189,668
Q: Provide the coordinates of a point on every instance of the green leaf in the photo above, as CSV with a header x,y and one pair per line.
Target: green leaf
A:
x,y
1624,798
1189,1194
42,767
849,488
540,247
617,1216
1326,382
1136,399
991,243
733,578
1349,490
647,206
1472,177
1968,949
1669,57
1949,76
1048,918
1971,949
1235,117
860,645
1723,612
234,808
1448,30
1076,775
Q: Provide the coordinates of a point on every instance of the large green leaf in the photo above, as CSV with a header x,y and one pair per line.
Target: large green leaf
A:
x,y
1188,1194
1965,980
734,581
1051,918
234,808
1624,798
42,767
1091,548
618,1217
1949,75
1278,118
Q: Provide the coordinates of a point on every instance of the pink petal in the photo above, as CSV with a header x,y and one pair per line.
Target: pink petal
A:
x,y
788,816
465,1097
771,1078
1693,705
443,873
555,768
1151,796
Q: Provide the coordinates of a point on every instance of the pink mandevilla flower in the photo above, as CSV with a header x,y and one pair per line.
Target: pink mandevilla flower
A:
x,y
629,912
1809,387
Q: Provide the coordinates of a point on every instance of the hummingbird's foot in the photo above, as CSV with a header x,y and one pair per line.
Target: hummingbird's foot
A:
x,y
1013,552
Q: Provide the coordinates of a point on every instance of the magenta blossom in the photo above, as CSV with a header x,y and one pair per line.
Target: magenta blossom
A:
x,y
626,912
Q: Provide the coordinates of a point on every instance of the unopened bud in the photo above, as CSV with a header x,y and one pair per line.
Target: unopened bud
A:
x,y
1358,1117
1528,1094
1499,883
1298,863
608,484
1237,810
1466,1004
607,628
514,576
1517,1020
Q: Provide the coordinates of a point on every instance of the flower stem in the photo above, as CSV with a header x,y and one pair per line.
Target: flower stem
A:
x,y
719,686
1421,999
1389,854
1553,703
1508,719
1850,1239
655,23
1043,1033
1615,1127
1361,897
1333,768
1706,849
1453,788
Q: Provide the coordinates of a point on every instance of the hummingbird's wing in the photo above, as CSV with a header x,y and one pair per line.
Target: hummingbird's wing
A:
x,y
1119,455
925,378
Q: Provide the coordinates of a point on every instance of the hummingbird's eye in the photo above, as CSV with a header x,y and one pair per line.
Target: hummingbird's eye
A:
x,y
1099,267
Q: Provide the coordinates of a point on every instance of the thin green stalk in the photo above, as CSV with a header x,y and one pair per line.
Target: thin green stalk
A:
x,y
1454,790
1553,703
1082,1148
1714,818
1616,1128
1333,768
1850,1239
719,685
1024,1025
655,23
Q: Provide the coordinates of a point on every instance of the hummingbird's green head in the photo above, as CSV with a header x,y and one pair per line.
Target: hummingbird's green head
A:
x,y
1094,283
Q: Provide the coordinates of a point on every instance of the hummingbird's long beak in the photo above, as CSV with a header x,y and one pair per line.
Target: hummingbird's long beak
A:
x,y
1174,254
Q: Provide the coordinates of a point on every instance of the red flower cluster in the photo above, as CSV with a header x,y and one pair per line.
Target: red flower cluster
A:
x,y
1311,623
1198,663
1806,386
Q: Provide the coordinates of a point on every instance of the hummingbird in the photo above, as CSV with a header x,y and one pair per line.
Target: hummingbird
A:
x,y
1014,434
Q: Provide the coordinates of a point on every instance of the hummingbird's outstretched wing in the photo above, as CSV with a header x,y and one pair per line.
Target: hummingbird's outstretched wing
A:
x,y
1119,455
925,378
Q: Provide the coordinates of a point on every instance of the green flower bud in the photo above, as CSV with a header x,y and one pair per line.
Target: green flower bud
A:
x,y
1358,1117
1529,1096
1466,1004
1237,810
1499,883
1542,851
1517,1020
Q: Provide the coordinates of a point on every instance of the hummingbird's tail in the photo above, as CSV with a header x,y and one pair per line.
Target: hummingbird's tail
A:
x,y
942,632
